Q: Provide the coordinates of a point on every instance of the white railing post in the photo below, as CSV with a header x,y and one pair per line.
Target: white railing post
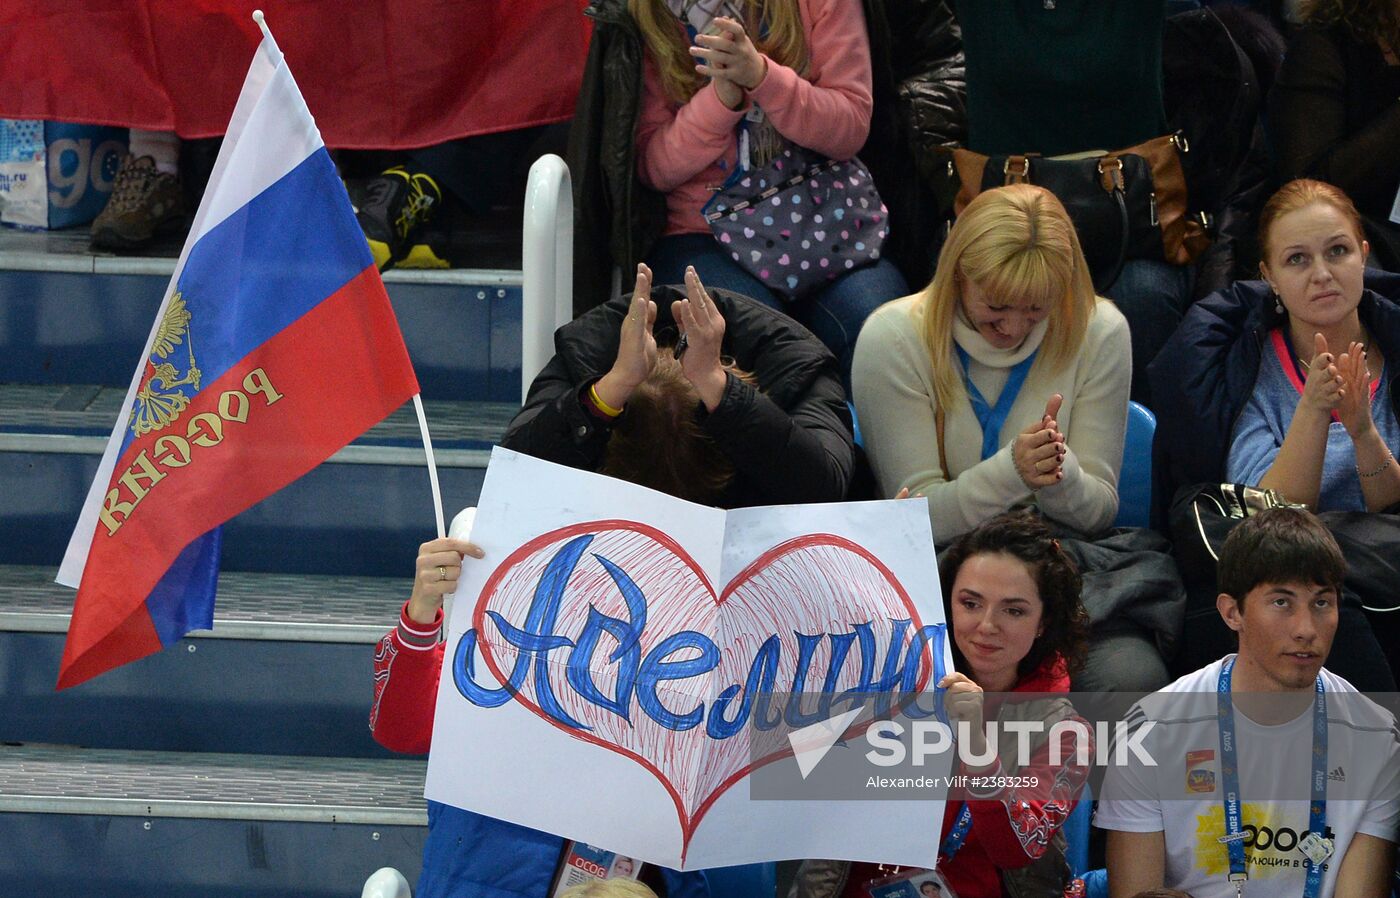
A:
x,y
386,882
548,264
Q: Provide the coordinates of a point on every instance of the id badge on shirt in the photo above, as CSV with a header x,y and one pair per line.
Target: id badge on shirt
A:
x,y
910,884
580,863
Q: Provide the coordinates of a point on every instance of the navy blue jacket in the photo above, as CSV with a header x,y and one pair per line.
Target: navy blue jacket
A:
x,y
1206,372
472,856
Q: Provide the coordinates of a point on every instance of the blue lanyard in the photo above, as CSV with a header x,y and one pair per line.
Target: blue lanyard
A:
x,y
989,417
1229,771
957,835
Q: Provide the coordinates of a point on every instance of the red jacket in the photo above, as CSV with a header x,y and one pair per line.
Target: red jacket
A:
x,y
401,718
1015,829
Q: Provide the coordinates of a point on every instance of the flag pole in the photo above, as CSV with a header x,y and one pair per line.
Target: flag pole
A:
x,y
432,464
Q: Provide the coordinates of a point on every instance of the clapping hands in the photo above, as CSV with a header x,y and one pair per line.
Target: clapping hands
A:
x,y
702,328
1325,386
636,346
1341,384
1039,451
1354,405
730,59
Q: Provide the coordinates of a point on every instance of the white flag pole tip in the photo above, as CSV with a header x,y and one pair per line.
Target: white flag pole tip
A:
x,y
262,23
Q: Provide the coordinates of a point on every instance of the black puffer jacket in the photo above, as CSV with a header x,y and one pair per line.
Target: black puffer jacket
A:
x,y
617,219
1218,65
789,440
920,107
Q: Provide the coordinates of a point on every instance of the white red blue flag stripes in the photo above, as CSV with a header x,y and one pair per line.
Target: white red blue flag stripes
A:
x,y
275,346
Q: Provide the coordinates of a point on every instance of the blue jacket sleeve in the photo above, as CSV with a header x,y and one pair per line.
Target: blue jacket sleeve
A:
x,y
1254,445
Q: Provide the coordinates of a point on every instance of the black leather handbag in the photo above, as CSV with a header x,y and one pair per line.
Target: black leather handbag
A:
x,y
1126,204
1202,516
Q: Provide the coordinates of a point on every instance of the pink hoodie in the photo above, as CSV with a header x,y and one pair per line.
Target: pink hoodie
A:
x,y
683,150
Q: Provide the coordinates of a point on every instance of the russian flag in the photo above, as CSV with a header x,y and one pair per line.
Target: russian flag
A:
x,y
274,347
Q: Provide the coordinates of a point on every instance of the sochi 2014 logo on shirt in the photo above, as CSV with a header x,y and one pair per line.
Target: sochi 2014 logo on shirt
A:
x,y
1200,771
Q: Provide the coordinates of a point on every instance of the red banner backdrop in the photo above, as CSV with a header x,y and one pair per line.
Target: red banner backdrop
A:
x,y
376,74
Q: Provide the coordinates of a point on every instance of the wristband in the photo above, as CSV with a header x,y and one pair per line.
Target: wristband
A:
x,y
600,405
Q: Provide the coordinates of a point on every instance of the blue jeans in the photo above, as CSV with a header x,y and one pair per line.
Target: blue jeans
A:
x,y
834,314
1153,296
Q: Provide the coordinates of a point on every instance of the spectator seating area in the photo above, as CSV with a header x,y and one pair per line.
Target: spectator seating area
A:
x,y
238,763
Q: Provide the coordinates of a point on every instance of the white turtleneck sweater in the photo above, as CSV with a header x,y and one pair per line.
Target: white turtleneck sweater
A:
x,y
892,379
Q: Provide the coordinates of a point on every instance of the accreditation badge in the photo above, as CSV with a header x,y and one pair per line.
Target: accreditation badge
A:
x,y
580,863
911,883
1316,848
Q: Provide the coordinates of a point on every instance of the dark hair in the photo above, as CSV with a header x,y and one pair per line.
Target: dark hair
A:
x,y
659,443
1279,545
1367,22
1024,536
1298,194
1162,893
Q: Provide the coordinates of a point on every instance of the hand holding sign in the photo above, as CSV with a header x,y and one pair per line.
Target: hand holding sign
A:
x,y
668,654
436,572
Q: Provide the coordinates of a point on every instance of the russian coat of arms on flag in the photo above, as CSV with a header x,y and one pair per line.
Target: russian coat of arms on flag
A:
x,y
275,346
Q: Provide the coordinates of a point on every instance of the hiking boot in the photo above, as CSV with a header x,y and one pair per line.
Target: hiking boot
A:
x,y
392,209
427,252
429,247
144,202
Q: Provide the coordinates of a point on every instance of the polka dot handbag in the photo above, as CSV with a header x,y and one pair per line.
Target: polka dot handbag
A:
x,y
801,221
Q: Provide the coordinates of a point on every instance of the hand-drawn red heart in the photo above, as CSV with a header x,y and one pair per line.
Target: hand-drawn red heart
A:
x,y
818,585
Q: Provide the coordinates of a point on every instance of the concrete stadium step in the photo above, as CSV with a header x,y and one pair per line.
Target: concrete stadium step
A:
x,y
119,824
71,317
286,670
75,409
364,512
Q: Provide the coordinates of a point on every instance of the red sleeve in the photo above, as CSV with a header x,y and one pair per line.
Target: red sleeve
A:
x,y
407,662
1015,828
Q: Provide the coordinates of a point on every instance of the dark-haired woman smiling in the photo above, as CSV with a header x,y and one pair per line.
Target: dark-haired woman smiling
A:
x,y
1012,600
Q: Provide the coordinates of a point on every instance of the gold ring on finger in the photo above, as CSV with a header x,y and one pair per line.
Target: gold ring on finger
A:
x,y
442,572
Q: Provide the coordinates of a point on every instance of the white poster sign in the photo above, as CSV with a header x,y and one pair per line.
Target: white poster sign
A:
x,y
618,663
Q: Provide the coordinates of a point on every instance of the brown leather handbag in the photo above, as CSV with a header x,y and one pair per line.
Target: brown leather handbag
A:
x,y
1125,204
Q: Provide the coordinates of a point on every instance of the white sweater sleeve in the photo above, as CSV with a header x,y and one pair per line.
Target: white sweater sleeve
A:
x,y
1087,497
892,381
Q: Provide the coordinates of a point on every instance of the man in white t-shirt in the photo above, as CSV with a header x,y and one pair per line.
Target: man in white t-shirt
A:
x,y
1271,727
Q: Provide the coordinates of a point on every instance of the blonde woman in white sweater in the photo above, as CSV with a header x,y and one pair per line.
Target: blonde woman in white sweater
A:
x,y
1005,383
